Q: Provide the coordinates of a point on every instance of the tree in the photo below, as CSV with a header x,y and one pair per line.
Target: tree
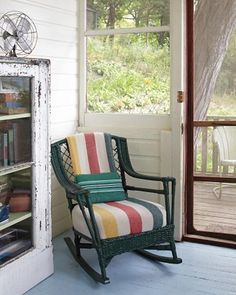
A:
x,y
110,13
214,23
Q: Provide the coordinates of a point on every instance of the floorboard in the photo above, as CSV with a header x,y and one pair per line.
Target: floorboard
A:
x,y
212,214
205,270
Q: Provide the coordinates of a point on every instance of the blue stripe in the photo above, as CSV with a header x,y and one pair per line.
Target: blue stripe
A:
x,y
156,212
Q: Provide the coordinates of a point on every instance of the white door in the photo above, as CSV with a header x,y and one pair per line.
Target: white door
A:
x,y
130,69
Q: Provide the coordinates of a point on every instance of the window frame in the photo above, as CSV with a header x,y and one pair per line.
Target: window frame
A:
x,y
83,34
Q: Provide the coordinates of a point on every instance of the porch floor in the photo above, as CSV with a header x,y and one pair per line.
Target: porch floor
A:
x,y
212,214
206,270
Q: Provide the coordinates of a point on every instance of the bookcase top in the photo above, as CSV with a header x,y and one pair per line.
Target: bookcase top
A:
x,y
23,60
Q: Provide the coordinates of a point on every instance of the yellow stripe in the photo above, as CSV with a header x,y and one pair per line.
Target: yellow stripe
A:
x,y
108,221
74,154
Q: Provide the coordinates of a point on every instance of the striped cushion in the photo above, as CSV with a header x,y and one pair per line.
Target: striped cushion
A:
x,y
103,187
115,219
91,153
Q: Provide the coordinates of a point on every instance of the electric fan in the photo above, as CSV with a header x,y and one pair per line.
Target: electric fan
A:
x,y
18,34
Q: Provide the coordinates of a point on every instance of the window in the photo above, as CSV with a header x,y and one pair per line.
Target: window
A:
x,y
128,57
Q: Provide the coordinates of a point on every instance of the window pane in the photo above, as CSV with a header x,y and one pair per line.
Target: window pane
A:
x,y
126,14
215,151
14,95
129,73
223,102
215,62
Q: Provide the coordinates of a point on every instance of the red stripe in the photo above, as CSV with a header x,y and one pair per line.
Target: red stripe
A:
x,y
92,153
134,217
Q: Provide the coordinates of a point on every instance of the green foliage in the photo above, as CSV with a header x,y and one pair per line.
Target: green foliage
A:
x,y
131,73
128,77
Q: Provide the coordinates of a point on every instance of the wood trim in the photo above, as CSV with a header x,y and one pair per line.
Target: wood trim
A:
x,y
189,119
82,52
213,123
210,241
191,234
214,179
108,32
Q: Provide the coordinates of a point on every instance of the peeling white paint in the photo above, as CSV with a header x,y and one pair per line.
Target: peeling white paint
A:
x,y
20,274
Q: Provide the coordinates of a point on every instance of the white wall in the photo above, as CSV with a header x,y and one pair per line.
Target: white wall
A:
x,y
56,22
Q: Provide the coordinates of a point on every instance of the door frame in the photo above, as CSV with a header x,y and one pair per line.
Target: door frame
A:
x,y
172,122
190,233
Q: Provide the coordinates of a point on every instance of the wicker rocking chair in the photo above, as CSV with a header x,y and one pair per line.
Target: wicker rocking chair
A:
x,y
104,217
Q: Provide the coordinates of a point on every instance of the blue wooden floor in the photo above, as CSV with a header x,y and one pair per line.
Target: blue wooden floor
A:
x,y
205,270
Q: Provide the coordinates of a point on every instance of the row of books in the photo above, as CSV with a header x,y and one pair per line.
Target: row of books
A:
x,y
15,142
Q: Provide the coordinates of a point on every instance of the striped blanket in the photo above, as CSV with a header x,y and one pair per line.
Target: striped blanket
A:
x,y
103,187
114,219
91,153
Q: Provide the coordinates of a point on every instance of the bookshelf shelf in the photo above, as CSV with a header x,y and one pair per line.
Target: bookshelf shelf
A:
x,y
15,218
15,168
14,117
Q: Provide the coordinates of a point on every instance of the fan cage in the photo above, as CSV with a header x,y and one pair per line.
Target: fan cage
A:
x,y
11,25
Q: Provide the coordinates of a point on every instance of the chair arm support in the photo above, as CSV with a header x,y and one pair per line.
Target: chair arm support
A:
x,y
126,165
144,189
131,172
169,183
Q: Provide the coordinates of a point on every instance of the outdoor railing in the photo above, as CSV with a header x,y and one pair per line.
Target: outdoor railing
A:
x,y
206,155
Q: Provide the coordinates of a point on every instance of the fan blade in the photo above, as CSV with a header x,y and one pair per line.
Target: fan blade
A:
x,y
5,35
23,25
24,44
8,25
9,43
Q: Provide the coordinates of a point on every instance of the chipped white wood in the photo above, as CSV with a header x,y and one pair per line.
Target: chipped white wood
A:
x,y
26,271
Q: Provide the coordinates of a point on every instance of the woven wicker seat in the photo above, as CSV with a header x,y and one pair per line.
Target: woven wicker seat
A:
x,y
120,224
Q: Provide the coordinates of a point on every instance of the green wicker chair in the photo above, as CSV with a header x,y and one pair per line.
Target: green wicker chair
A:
x,y
82,203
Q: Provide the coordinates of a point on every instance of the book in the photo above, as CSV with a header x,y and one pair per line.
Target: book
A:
x,y
21,182
1,149
5,149
10,142
22,141
4,152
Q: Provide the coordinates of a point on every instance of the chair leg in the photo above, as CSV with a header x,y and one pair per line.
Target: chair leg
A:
x,y
174,253
174,259
218,194
75,251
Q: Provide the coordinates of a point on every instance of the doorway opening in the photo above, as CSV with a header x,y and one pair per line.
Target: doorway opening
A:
x,y
211,122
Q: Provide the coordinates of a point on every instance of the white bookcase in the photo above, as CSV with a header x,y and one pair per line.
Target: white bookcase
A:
x,y
25,188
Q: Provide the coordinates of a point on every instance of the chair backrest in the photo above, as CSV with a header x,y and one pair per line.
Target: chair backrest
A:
x,y
225,138
105,184
91,153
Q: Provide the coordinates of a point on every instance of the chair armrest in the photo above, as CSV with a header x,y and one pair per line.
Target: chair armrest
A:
x,y
126,165
131,172
74,191
169,183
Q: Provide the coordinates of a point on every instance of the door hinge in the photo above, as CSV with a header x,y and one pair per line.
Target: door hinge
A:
x,y
182,128
180,96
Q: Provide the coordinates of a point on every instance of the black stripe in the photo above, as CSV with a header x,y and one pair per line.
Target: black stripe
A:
x,y
156,212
